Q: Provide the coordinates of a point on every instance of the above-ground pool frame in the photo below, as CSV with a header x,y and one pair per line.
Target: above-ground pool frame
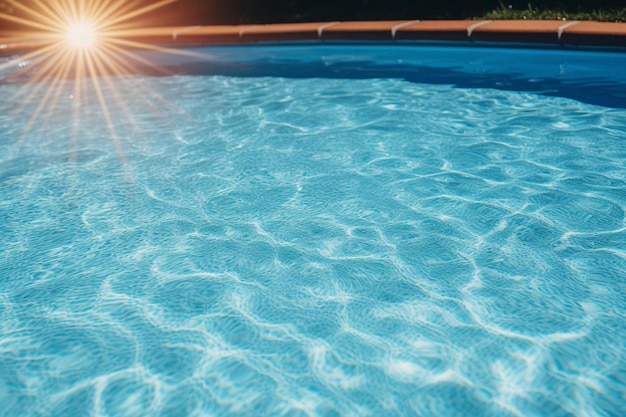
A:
x,y
545,33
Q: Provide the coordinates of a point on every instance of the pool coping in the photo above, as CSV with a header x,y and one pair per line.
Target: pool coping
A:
x,y
538,33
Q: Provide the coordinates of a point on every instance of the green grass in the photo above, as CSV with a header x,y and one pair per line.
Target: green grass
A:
x,y
535,13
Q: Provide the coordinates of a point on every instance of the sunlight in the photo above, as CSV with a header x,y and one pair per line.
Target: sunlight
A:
x,y
81,34
74,45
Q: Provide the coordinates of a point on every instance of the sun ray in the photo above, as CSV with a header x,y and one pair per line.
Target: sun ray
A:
x,y
79,87
123,62
42,75
23,35
61,10
118,8
86,42
72,10
61,76
50,11
53,81
138,12
105,108
38,53
35,56
54,23
98,10
140,45
134,57
26,22
46,55
124,66
42,10
114,90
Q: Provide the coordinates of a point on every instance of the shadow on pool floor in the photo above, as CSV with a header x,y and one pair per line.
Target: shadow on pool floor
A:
x,y
592,90
598,90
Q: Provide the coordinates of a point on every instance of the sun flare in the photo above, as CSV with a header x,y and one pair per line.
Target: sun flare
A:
x,y
81,34
80,43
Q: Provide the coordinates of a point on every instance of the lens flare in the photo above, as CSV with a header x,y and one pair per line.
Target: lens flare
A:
x,y
82,42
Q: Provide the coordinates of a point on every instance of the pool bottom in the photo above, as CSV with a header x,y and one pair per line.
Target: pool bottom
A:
x,y
277,246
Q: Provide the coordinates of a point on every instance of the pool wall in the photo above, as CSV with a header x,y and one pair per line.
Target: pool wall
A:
x,y
544,33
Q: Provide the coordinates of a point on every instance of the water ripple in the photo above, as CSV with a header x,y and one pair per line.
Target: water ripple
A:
x,y
316,247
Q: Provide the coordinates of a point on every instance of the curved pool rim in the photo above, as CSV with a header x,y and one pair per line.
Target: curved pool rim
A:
x,y
521,33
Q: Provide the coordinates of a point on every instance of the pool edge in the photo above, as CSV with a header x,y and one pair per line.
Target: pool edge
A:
x,y
536,33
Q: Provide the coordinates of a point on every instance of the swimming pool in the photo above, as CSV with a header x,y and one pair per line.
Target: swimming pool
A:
x,y
323,230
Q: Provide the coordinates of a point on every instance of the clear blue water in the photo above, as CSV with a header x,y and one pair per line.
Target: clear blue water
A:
x,y
319,231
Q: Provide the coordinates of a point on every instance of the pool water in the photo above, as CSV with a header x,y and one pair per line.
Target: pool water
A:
x,y
319,231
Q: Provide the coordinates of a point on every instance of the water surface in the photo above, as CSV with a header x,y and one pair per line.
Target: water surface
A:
x,y
353,245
